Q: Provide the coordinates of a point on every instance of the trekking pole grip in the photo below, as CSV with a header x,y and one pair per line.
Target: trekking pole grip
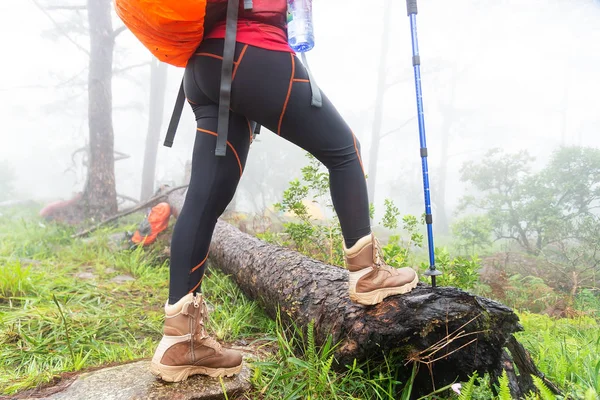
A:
x,y
411,7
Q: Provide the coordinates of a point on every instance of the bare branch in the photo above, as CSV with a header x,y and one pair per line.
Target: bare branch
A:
x,y
408,121
59,28
121,70
118,31
131,199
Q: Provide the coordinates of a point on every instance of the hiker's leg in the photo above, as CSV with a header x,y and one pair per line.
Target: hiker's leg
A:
x,y
212,186
272,88
282,103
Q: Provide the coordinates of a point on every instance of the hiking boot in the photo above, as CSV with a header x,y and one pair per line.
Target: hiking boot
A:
x,y
371,280
186,349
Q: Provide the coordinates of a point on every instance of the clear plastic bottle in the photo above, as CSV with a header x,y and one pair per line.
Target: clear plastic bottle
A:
x,y
300,27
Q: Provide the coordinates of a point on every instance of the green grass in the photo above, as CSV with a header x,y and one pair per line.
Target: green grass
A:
x,y
52,322
98,321
566,350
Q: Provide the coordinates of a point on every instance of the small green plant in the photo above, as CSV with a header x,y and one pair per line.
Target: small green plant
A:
x,y
544,392
459,272
466,392
503,387
321,239
398,252
307,375
16,279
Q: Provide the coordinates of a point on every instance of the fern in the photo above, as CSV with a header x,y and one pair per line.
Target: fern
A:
x,y
545,393
327,366
504,389
311,355
466,392
312,348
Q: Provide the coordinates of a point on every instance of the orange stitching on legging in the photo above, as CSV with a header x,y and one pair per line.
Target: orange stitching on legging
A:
x,y
358,154
238,62
210,55
230,146
199,265
249,129
287,98
198,284
218,57
191,102
301,80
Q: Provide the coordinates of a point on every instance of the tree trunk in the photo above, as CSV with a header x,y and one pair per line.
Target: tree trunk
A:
x,y
381,86
415,325
100,196
158,83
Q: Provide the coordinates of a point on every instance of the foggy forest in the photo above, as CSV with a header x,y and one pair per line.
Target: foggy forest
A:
x,y
506,299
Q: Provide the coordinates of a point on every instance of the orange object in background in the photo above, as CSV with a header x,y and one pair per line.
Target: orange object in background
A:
x,y
170,29
156,222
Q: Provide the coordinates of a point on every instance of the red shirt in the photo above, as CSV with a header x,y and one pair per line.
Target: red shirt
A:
x,y
255,34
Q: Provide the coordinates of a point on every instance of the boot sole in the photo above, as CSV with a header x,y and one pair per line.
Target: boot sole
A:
x,y
180,373
377,296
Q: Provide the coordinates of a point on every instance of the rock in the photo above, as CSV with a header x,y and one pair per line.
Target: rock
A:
x,y
110,270
26,262
85,275
135,382
122,279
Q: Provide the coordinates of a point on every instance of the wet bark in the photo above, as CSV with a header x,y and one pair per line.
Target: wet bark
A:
x,y
100,196
468,332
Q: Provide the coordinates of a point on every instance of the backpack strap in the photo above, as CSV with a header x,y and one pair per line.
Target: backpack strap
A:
x,y
175,117
317,99
226,73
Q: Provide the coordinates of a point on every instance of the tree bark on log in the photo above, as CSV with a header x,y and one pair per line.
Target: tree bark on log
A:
x,y
449,332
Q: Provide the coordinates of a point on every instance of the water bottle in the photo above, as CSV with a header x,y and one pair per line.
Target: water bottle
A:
x,y
300,28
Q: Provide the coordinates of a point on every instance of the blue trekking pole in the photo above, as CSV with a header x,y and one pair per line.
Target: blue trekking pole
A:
x,y
411,6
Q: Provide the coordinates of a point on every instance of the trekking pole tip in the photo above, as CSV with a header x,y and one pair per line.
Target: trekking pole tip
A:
x,y
433,273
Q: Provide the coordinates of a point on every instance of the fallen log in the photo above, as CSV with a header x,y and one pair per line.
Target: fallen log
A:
x,y
450,333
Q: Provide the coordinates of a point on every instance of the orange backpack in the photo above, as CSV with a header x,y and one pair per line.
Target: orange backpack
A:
x,y
171,30
154,223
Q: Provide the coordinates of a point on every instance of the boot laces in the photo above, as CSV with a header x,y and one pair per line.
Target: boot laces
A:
x,y
377,254
203,336
378,262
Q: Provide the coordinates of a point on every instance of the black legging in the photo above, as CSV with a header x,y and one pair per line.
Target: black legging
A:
x,y
271,88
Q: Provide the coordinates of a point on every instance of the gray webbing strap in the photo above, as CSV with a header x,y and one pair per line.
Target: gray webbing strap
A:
x,y
316,100
175,117
226,72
